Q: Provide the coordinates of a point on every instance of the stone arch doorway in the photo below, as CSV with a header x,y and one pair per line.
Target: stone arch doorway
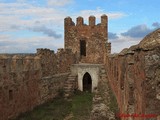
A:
x,y
87,82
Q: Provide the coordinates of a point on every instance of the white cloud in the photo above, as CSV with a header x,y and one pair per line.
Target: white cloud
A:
x,y
21,1
22,16
4,37
99,12
26,15
131,36
18,16
24,45
59,2
156,24
137,31
122,42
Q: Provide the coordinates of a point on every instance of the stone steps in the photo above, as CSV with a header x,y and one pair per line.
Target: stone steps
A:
x,y
69,86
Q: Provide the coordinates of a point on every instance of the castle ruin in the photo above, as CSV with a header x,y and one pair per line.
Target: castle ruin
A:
x,y
85,64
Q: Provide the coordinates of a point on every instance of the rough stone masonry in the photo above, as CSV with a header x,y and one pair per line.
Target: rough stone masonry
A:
x,y
133,74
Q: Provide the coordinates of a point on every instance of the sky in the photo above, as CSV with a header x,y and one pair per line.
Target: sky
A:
x,y
26,25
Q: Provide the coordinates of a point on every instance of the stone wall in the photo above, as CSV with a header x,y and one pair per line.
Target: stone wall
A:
x,y
52,86
95,37
104,101
29,80
19,84
134,75
55,63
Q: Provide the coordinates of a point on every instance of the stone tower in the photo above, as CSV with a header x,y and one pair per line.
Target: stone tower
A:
x,y
89,42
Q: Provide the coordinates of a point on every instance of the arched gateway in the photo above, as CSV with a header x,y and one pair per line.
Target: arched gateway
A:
x,y
87,75
87,82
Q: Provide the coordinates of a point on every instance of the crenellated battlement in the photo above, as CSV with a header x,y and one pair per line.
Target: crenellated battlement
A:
x,y
68,22
44,51
80,21
104,20
17,63
91,21
87,41
62,51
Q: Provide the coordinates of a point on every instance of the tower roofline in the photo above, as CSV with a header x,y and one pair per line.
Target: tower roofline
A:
x,y
91,20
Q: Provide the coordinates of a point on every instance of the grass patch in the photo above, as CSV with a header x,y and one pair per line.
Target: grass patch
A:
x,y
81,106
54,110
58,109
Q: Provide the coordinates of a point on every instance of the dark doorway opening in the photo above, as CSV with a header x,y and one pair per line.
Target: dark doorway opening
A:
x,y
82,47
87,82
10,94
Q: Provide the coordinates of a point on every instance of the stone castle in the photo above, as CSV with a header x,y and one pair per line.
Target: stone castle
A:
x,y
85,64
